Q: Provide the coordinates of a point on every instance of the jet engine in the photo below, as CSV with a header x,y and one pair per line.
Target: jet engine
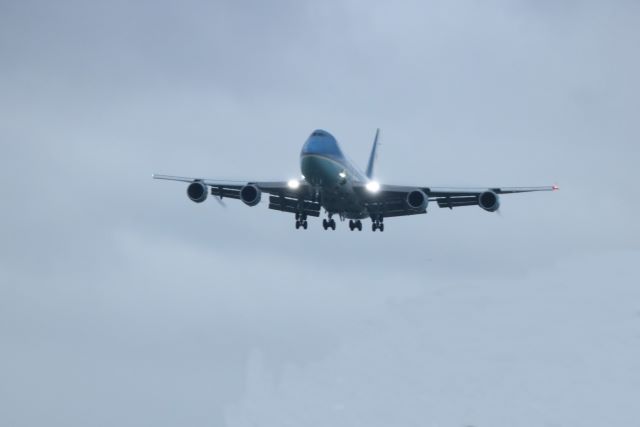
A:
x,y
489,201
197,192
416,199
250,195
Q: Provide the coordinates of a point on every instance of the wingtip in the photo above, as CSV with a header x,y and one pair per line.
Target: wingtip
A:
x,y
555,187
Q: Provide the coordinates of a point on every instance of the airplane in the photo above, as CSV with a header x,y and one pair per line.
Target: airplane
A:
x,y
331,182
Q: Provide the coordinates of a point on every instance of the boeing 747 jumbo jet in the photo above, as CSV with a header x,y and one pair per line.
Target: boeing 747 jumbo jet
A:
x,y
330,181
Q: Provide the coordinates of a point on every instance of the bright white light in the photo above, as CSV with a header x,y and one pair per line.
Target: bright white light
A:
x,y
293,184
342,175
373,186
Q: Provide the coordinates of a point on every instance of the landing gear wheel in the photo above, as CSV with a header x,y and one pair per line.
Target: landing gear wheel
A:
x,y
352,225
304,224
332,224
377,223
359,225
325,224
297,225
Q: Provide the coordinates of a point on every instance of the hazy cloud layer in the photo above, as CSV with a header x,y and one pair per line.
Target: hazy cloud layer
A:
x,y
123,303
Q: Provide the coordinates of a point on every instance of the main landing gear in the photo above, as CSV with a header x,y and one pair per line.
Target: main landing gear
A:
x,y
301,221
355,224
329,223
378,224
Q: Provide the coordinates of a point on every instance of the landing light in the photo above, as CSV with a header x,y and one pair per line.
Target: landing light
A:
x,y
373,186
293,184
342,175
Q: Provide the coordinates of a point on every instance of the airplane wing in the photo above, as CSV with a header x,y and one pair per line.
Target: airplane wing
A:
x,y
285,196
392,200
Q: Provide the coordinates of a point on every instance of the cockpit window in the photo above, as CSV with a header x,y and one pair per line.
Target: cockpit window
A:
x,y
326,144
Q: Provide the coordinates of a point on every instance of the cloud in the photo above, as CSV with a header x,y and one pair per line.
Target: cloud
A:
x,y
122,302
553,347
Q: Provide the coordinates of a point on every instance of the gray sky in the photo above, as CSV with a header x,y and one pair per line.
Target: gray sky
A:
x,y
122,303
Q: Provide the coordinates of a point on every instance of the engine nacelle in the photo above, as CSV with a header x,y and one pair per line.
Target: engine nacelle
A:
x,y
250,195
416,199
197,192
489,201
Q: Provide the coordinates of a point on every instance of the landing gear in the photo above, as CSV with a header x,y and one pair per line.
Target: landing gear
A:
x,y
378,224
330,223
301,221
355,224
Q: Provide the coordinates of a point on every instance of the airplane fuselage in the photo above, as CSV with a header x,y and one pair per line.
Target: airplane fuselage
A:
x,y
327,169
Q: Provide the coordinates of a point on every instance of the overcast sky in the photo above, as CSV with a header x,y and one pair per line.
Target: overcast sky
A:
x,y
122,303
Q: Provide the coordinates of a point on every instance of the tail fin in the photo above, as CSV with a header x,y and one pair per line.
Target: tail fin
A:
x,y
372,157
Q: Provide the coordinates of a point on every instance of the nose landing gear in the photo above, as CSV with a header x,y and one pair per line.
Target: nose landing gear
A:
x,y
301,221
378,224
355,224
329,223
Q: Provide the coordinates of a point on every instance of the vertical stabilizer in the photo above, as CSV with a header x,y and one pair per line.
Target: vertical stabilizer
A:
x,y
372,157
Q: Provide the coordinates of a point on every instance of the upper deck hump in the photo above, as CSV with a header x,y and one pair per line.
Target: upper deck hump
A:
x,y
322,143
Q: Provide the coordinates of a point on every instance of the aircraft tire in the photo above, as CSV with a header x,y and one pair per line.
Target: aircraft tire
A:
x,y
305,224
